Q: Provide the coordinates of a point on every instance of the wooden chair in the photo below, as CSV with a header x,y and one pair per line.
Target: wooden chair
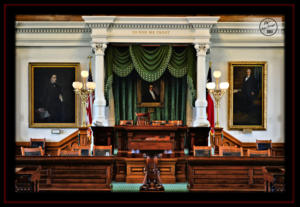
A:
x,y
259,153
102,150
158,122
263,144
67,153
202,151
126,122
37,151
83,150
175,122
230,151
38,142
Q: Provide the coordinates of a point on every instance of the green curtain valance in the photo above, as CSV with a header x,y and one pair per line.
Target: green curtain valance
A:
x,y
150,64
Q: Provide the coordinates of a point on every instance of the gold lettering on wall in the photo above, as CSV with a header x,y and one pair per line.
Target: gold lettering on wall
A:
x,y
150,32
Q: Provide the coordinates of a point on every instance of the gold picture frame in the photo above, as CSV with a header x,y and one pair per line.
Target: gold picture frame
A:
x,y
247,97
143,96
52,101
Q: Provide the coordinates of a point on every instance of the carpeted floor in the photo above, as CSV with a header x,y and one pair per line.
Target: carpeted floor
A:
x,y
134,187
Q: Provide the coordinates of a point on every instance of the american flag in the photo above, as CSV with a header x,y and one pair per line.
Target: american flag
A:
x,y
89,107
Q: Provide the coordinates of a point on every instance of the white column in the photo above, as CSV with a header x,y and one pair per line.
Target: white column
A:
x,y
201,103
99,103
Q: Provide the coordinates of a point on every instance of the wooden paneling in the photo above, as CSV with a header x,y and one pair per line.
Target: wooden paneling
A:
x,y
229,173
71,173
135,170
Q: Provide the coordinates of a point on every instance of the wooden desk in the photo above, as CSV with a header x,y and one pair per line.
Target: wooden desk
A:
x,y
274,179
27,179
71,173
133,137
229,173
135,169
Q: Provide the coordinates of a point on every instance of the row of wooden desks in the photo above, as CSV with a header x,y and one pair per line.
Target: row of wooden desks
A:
x,y
201,173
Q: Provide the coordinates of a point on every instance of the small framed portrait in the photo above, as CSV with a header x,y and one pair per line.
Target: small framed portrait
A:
x,y
150,94
247,95
53,103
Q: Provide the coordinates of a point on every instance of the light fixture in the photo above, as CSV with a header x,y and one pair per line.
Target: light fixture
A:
x,y
83,89
217,90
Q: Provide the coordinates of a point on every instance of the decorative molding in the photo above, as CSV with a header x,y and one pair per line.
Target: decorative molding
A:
x,y
53,30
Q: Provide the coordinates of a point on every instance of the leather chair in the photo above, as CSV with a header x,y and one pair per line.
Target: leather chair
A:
x,y
38,142
263,144
102,150
202,151
67,153
259,153
126,122
230,151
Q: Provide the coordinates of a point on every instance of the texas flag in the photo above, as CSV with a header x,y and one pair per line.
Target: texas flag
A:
x,y
210,103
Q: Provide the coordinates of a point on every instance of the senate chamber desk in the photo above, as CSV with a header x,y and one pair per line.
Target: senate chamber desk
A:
x,y
80,173
88,173
218,173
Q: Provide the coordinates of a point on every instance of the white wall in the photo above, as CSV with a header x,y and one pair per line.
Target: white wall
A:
x,y
274,57
24,55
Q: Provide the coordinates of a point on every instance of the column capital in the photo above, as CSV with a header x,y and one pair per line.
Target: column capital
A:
x,y
99,48
201,49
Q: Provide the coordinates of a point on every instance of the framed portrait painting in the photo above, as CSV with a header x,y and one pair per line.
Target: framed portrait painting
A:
x,y
247,95
150,94
53,103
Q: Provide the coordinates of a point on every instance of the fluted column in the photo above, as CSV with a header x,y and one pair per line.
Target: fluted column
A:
x,y
201,103
99,103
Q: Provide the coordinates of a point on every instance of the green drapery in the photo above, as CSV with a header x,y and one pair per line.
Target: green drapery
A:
x,y
125,99
150,64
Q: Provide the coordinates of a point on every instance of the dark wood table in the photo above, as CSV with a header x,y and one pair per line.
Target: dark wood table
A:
x,y
229,173
27,179
71,173
135,137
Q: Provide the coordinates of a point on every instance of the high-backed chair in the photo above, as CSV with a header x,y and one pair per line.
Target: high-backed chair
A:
x,y
202,151
38,142
264,144
36,151
230,151
126,122
67,152
175,122
143,119
259,153
102,150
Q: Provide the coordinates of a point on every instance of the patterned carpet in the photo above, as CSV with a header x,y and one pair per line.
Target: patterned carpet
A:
x,y
134,187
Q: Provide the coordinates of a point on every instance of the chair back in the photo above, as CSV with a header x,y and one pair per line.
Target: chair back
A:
x,y
38,142
175,122
263,144
126,122
102,150
259,153
158,122
83,150
230,151
36,151
67,153
201,151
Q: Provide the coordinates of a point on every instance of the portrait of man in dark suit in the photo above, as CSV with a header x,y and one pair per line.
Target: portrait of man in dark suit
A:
x,y
151,95
52,97
247,104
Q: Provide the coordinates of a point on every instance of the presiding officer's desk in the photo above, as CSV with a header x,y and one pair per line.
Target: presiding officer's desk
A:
x,y
78,173
218,173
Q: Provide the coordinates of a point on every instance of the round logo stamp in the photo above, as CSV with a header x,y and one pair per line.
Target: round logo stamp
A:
x,y
268,26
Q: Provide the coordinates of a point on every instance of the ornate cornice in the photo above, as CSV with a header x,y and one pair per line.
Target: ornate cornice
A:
x,y
53,30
